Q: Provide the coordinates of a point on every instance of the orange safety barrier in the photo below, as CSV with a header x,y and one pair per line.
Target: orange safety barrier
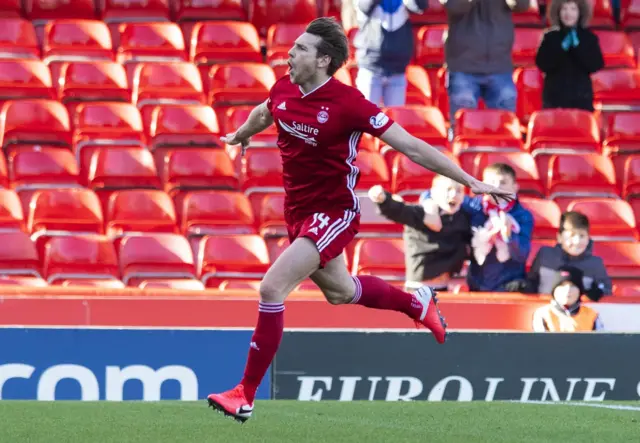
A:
x,y
72,306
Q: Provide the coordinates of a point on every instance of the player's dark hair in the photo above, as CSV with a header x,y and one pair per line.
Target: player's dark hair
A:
x,y
502,168
575,219
334,43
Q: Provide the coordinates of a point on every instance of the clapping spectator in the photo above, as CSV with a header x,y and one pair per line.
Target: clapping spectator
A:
x,y
568,55
436,233
574,248
566,313
478,53
384,47
501,238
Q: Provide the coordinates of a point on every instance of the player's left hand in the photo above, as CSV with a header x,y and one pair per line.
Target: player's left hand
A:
x,y
479,187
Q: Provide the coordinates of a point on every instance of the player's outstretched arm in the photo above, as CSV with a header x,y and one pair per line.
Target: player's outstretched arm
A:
x,y
259,119
428,157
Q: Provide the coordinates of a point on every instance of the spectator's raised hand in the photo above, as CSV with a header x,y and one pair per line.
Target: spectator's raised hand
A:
x,y
377,194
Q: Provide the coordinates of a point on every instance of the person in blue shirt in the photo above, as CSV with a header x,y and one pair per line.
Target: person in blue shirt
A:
x,y
501,235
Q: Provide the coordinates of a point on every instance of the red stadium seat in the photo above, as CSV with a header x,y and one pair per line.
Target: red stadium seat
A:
x,y
272,222
43,167
261,174
424,122
623,134
546,216
34,121
382,257
486,130
193,169
529,180
562,131
17,38
79,257
617,49
217,212
373,171
409,178
21,79
41,11
263,13
76,40
232,257
91,283
11,8
64,210
222,42
586,175
280,39
525,46
631,177
236,116
18,255
116,11
122,168
530,17
630,14
19,280
187,10
11,215
276,246
148,43
4,173
372,224
602,14
161,83
622,258
106,124
93,81
151,256
183,125
418,86
430,45
609,219
617,89
240,84
140,210
528,82
175,284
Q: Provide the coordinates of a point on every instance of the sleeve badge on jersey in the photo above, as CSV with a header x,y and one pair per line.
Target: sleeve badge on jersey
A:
x,y
379,120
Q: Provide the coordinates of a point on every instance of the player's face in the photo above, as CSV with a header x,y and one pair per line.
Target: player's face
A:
x,y
304,62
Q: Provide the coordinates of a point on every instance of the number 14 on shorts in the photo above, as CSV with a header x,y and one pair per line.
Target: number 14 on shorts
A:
x,y
320,222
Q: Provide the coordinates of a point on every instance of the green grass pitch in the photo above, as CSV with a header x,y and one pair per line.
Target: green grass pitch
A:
x,y
301,422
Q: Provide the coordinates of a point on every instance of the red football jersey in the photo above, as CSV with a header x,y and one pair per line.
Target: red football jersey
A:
x,y
318,137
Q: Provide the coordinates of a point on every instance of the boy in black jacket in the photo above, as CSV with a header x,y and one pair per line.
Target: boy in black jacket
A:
x,y
436,234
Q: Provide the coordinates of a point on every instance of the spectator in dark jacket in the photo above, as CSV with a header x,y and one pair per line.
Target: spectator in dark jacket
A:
x,y
502,232
574,248
436,233
568,55
384,47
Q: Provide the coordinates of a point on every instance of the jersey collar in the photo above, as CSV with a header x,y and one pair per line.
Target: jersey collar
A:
x,y
314,89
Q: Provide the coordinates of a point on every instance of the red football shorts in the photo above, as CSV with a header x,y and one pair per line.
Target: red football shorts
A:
x,y
330,231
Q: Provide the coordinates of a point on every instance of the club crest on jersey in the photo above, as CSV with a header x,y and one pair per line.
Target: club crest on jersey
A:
x,y
379,120
323,115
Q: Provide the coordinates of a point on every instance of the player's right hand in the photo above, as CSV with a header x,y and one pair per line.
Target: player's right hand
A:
x,y
479,187
233,139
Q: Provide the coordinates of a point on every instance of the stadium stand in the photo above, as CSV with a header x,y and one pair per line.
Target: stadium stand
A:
x,y
113,172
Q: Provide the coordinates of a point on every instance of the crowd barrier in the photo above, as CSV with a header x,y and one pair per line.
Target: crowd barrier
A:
x,y
60,306
116,364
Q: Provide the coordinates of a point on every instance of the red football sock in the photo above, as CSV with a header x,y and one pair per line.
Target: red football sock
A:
x,y
373,292
264,344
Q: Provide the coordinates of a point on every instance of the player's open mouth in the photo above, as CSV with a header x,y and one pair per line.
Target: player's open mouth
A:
x,y
290,67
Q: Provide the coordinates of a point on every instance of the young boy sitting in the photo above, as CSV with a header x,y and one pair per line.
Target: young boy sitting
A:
x,y
574,248
565,313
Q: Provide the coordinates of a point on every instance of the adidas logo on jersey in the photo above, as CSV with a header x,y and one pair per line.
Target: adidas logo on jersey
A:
x,y
314,230
283,106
